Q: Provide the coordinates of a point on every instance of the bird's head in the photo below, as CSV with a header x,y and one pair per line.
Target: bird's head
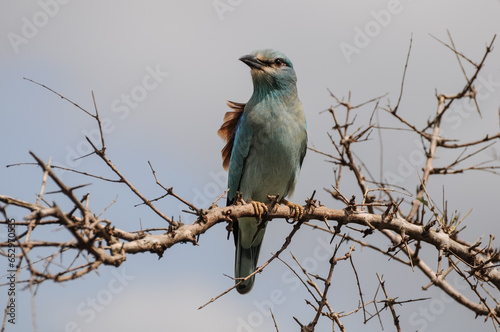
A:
x,y
270,69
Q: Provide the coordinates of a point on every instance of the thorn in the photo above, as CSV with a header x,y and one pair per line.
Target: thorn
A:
x,y
229,227
273,200
311,202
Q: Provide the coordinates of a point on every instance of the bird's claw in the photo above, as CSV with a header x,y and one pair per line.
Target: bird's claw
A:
x,y
297,210
259,208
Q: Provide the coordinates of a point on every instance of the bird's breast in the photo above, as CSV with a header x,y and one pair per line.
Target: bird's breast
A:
x,y
274,161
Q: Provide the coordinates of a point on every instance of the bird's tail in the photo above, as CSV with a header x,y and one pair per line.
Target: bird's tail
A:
x,y
246,258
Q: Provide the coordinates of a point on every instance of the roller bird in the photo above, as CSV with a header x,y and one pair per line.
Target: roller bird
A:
x,y
266,144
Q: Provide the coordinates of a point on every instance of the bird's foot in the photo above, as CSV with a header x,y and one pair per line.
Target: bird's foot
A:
x,y
297,210
259,208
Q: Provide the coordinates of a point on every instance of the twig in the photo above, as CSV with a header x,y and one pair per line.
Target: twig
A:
x,y
404,75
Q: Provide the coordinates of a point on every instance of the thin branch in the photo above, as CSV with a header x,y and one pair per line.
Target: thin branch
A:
x,y
404,75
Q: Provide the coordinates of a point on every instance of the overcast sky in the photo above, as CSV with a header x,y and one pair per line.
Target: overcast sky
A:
x,y
161,72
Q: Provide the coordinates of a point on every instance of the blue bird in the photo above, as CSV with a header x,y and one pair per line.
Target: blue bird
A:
x,y
266,144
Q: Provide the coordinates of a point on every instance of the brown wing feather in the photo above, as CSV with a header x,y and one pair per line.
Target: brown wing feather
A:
x,y
228,130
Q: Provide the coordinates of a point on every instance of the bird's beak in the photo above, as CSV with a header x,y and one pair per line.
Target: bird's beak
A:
x,y
253,62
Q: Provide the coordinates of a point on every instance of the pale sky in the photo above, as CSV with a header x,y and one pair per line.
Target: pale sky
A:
x,y
161,72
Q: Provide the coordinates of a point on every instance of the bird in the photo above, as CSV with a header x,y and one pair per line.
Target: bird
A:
x,y
266,142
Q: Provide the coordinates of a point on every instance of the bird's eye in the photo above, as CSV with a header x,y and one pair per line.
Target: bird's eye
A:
x,y
279,62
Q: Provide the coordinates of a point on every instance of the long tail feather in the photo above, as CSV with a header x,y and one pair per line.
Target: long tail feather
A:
x,y
246,255
246,263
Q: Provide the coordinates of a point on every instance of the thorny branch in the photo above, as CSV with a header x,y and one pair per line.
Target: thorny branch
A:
x,y
99,241
432,141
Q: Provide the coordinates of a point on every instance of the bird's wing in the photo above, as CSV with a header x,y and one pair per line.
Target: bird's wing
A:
x,y
228,130
303,151
239,154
